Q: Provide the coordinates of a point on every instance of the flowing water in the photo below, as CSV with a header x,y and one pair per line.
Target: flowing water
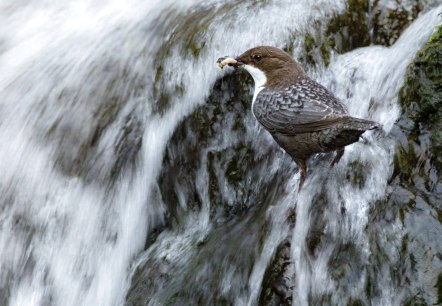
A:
x,y
92,91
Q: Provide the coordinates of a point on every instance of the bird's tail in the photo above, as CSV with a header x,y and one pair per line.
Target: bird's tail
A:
x,y
361,124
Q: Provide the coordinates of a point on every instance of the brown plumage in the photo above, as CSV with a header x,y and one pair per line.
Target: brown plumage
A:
x,y
302,116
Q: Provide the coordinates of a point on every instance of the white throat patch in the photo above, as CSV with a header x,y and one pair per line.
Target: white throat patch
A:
x,y
259,77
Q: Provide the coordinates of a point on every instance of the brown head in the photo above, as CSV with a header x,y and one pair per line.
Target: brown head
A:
x,y
278,67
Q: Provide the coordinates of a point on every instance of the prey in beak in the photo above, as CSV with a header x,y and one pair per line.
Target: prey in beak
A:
x,y
229,61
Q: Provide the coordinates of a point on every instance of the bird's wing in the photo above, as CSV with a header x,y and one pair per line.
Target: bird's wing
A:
x,y
305,106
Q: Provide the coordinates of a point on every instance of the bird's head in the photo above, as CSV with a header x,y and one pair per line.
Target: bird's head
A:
x,y
268,66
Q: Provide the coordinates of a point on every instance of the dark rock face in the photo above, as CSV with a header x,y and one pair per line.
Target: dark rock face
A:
x,y
229,161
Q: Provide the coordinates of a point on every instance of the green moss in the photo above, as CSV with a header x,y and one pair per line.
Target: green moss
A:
x,y
172,299
350,30
369,287
406,160
196,41
325,52
354,28
361,23
404,246
392,18
106,114
324,299
197,136
421,95
317,48
355,302
236,167
356,174
309,44
159,74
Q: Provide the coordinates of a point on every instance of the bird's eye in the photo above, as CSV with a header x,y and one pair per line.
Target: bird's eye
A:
x,y
257,57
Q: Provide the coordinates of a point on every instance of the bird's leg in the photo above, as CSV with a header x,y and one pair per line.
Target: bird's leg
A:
x,y
339,153
302,166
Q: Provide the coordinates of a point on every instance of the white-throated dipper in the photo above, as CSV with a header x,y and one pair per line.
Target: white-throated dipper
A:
x,y
302,116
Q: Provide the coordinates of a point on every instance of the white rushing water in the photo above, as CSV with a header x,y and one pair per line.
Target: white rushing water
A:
x,y
77,89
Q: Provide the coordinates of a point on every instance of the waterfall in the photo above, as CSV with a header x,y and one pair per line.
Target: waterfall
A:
x,y
92,94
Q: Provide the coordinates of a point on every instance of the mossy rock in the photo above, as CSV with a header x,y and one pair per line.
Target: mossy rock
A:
x,y
197,139
421,95
391,18
421,100
350,30
362,23
185,32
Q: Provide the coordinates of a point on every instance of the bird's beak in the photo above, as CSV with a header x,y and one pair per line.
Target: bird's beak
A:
x,y
239,62
229,61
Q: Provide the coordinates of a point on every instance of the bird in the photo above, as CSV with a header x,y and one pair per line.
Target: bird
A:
x,y
303,116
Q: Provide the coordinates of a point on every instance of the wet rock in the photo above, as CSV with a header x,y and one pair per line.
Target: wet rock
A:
x,y
186,33
219,266
350,30
391,18
87,118
418,155
196,150
362,23
277,287
200,167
